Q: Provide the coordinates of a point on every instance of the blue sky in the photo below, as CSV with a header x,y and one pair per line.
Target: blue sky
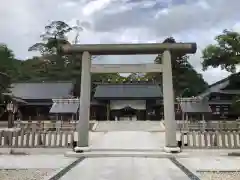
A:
x,y
122,21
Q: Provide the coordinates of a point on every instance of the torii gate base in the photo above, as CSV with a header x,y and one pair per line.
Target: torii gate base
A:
x,y
124,49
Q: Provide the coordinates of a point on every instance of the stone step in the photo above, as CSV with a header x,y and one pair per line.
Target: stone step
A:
x,y
125,150
95,154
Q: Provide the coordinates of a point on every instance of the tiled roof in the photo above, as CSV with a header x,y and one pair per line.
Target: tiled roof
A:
x,y
45,90
139,91
195,107
64,108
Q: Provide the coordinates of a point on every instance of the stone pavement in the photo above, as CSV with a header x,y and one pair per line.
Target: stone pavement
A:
x,y
132,155
207,163
34,161
130,126
126,167
122,140
39,167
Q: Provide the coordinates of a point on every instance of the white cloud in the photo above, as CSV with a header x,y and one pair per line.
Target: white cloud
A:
x,y
114,21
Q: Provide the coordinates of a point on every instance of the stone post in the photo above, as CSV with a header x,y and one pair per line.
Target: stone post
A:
x,y
169,113
84,111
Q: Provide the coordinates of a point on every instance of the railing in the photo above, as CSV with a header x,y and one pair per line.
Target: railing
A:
x,y
218,140
39,134
208,125
38,139
45,125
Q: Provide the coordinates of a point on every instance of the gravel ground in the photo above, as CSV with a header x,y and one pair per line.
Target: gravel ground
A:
x,y
220,175
25,174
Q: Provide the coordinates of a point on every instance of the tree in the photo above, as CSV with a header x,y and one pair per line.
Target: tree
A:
x,y
184,75
53,66
7,70
136,76
8,63
225,53
54,36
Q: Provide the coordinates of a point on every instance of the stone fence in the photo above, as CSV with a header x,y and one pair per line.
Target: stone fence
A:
x,y
208,126
45,125
44,134
210,139
36,139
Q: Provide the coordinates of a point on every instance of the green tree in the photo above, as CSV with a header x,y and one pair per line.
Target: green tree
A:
x,y
8,64
55,35
184,75
225,53
7,70
53,66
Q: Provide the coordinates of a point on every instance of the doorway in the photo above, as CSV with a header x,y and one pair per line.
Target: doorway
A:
x,y
128,114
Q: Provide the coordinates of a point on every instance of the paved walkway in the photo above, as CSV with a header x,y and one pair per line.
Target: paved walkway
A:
x,y
125,169
134,140
121,168
130,126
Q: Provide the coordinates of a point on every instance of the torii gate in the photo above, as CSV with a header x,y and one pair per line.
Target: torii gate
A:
x,y
128,49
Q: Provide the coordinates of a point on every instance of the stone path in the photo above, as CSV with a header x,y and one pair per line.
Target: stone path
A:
x,y
30,167
34,161
211,163
134,140
130,126
120,168
124,169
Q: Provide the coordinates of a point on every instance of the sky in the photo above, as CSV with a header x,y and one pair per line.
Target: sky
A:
x,y
122,21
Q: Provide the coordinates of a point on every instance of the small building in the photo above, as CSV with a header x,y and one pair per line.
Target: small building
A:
x,y
194,109
128,101
221,96
38,97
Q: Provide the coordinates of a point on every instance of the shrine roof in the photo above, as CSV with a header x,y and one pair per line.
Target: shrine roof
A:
x,y
128,91
41,90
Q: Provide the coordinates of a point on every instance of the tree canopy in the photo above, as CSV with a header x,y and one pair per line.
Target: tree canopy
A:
x,y
186,81
225,53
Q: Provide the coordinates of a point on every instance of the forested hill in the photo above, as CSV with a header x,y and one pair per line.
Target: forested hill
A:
x,y
50,66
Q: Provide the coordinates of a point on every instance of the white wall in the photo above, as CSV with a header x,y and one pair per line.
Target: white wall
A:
x,y
135,104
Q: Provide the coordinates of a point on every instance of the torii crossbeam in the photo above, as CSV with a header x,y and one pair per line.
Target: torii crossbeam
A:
x,y
128,49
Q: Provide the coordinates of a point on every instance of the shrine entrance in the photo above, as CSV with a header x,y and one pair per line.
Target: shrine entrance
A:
x,y
128,49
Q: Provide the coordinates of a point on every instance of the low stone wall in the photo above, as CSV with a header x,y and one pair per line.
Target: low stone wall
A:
x,y
39,135
38,139
209,125
46,125
214,139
